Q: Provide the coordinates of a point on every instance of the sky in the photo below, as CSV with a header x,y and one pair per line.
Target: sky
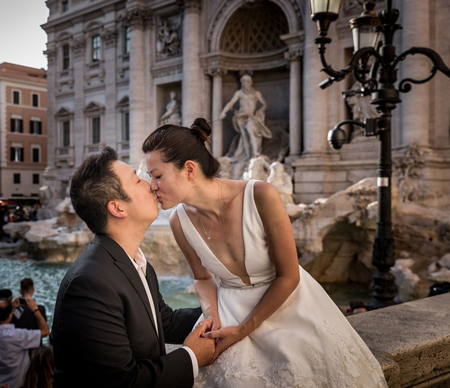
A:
x,y
22,40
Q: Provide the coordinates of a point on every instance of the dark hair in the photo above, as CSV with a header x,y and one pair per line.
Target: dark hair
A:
x,y
26,285
93,185
5,293
439,288
357,304
40,369
180,144
5,309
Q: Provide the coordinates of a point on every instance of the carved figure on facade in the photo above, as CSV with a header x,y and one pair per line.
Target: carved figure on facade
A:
x,y
172,115
360,106
282,181
258,168
248,120
168,38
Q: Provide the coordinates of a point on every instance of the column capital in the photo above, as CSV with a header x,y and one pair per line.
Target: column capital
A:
x,y
135,18
109,36
216,71
78,46
190,5
51,55
293,55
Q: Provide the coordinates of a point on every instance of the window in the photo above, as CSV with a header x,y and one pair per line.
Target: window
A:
x,y
126,126
16,97
35,155
65,56
16,179
126,46
95,48
65,6
95,130
35,179
65,133
16,125
35,127
16,154
35,99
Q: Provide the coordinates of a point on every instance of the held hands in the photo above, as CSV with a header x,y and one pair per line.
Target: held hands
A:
x,y
225,338
203,348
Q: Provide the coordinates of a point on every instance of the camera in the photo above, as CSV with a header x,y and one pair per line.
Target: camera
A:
x,y
337,137
23,301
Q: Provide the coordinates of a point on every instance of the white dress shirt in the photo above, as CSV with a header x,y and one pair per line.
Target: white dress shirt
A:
x,y
140,263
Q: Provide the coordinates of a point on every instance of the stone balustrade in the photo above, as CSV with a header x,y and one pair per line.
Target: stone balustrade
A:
x,y
411,341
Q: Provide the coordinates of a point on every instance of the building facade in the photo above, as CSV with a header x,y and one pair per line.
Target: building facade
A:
x,y
112,65
23,130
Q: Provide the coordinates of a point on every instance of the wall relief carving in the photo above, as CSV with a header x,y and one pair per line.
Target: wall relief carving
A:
x,y
168,37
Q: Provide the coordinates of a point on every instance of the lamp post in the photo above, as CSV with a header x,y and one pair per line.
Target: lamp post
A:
x,y
374,65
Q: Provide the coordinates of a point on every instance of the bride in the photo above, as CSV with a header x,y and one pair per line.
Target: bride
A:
x,y
274,324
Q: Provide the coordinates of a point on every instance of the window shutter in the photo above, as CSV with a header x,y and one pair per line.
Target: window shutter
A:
x,y
21,126
13,127
40,127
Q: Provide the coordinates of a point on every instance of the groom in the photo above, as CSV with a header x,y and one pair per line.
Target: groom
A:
x,y
110,323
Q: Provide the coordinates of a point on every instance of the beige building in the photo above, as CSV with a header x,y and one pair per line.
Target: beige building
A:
x,y
112,65
23,130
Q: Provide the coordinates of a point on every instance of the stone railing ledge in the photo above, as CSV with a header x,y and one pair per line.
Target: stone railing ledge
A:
x,y
411,341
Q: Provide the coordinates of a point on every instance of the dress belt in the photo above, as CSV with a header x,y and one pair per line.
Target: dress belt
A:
x,y
245,287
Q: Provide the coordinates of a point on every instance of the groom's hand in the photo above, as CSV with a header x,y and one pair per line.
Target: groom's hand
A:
x,y
203,348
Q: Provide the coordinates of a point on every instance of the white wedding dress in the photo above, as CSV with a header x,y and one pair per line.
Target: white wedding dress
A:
x,y
307,342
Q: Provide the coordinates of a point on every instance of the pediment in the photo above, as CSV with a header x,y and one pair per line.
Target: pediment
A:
x,y
125,101
63,112
93,107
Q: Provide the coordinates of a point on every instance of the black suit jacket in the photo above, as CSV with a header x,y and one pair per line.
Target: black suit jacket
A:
x,y
103,330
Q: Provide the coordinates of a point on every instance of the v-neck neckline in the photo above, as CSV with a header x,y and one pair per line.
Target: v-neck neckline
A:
x,y
243,239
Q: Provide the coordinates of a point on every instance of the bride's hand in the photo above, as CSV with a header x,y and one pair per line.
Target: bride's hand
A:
x,y
225,338
213,323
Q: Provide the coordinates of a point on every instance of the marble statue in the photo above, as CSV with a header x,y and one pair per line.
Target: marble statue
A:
x,y
258,168
282,182
172,115
248,120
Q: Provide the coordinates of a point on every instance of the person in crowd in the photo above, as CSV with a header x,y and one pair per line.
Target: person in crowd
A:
x,y
40,371
356,307
23,317
6,293
275,325
111,323
16,343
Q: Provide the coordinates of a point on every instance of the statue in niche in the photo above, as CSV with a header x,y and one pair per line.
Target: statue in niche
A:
x,y
361,107
282,181
172,115
168,41
248,121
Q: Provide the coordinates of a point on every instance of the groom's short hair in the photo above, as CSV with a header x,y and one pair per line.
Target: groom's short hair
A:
x,y
93,185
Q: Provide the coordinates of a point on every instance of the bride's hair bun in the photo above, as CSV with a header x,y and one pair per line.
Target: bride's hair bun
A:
x,y
201,128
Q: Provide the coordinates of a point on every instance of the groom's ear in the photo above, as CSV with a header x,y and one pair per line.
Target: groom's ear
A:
x,y
116,209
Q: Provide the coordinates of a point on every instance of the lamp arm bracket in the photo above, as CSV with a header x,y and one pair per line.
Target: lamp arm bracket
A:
x,y
438,64
370,126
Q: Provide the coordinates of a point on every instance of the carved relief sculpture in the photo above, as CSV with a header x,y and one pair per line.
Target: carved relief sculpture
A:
x,y
172,115
248,120
168,41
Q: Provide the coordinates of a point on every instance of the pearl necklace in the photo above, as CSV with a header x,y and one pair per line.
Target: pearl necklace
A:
x,y
208,235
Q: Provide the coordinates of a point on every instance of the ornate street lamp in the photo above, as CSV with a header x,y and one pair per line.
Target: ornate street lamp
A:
x,y
378,81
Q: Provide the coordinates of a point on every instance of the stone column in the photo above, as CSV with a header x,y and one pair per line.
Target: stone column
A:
x,y
217,106
415,106
137,85
192,83
295,109
109,40
79,120
316,100
51,54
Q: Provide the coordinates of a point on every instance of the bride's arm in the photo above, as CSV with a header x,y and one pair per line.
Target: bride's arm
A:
x,y
281,244
204,283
